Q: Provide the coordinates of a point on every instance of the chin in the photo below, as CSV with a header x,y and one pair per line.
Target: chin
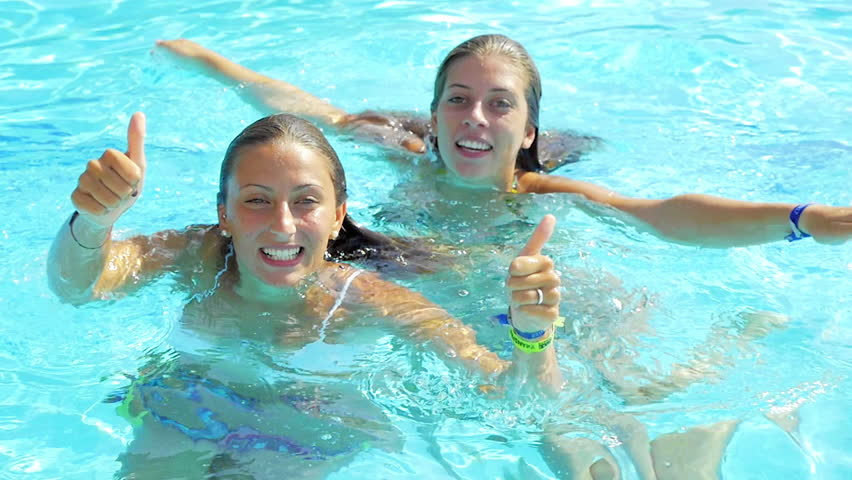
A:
x,y
470,173
290,281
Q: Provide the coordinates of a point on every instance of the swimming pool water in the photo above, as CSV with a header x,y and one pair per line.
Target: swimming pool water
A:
x,y
748,101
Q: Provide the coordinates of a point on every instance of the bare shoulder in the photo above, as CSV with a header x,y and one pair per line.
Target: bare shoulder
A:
x,y
534,182
371,286
189,247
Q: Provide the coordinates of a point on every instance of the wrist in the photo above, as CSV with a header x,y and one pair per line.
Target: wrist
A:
x,y
525,332
537,345
797,231
534,335
86,233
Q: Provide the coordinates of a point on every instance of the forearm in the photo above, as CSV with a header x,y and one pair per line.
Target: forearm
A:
x,y
77,259
692,218
267,94
540,369
452,338
428,323
711,221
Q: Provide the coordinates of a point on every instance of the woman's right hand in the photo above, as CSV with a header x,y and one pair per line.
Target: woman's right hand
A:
x,y
111,184
534,283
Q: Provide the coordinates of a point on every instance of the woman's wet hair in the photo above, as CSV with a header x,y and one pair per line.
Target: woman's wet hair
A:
x,y
286,129
489,45
354,242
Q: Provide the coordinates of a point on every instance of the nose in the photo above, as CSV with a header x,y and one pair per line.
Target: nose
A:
x,y
283,221
475,115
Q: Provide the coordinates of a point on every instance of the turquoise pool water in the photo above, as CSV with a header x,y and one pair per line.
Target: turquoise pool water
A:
x,y
746,101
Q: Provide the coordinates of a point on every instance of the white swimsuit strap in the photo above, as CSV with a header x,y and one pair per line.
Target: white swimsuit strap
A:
x,y
337,303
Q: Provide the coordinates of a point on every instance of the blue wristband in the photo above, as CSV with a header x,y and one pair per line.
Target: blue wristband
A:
x,y
529,335
797,233
505,319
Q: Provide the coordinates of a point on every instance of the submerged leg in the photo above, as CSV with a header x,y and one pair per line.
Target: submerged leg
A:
x,y
636,385
579,458
695,454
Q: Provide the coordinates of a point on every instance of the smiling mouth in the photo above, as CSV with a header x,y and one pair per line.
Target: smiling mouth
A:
x,y
474,145
282,254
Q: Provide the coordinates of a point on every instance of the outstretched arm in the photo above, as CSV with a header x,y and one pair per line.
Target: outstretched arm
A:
x,y
707,220
270,96
266,94
84,261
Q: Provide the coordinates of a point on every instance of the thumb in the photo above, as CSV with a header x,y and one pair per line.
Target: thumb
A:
x,y
136,139
540,236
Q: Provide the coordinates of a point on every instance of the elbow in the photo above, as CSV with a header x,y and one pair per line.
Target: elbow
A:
x,y
66,291
68,295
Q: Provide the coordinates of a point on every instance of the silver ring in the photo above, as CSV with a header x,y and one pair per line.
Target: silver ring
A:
x,y
540,296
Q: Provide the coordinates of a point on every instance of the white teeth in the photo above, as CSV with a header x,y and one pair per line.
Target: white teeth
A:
x,y
473,145
282,254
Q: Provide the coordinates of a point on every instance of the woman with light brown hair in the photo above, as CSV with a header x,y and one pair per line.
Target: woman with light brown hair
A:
x,y
484,128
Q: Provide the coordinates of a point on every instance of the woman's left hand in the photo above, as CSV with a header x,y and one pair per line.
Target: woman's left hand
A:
x,y
534,284
827,224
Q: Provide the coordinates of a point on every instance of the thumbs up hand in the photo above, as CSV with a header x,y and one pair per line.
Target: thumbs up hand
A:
x,y
111,184
534,284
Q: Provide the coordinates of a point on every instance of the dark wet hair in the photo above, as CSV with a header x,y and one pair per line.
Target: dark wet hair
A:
x,y
494,44
282,128
353,242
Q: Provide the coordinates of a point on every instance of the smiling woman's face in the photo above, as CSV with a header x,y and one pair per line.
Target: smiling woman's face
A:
x,y
481,120
281,211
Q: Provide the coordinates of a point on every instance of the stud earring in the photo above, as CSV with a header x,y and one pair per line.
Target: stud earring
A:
x,y
334,236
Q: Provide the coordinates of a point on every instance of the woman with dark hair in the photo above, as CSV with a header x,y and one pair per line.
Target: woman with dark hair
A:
x,y
484,128
263,274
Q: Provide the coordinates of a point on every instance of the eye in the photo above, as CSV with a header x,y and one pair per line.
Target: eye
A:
x,y
502,103
307,201
457,99
257,201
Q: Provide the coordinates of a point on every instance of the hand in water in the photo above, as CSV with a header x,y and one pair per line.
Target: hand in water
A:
x,y
111,184
534,284
831,225
383,129
184,48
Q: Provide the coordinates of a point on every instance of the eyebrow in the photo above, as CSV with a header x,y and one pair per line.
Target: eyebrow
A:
x,y
304,186
461,85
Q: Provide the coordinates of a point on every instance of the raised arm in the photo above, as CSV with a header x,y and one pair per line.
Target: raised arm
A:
x,y
270,95
533,315
84,262
707,220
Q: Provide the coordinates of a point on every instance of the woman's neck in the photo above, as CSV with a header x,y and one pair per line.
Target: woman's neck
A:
x,y
455,182
253,290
